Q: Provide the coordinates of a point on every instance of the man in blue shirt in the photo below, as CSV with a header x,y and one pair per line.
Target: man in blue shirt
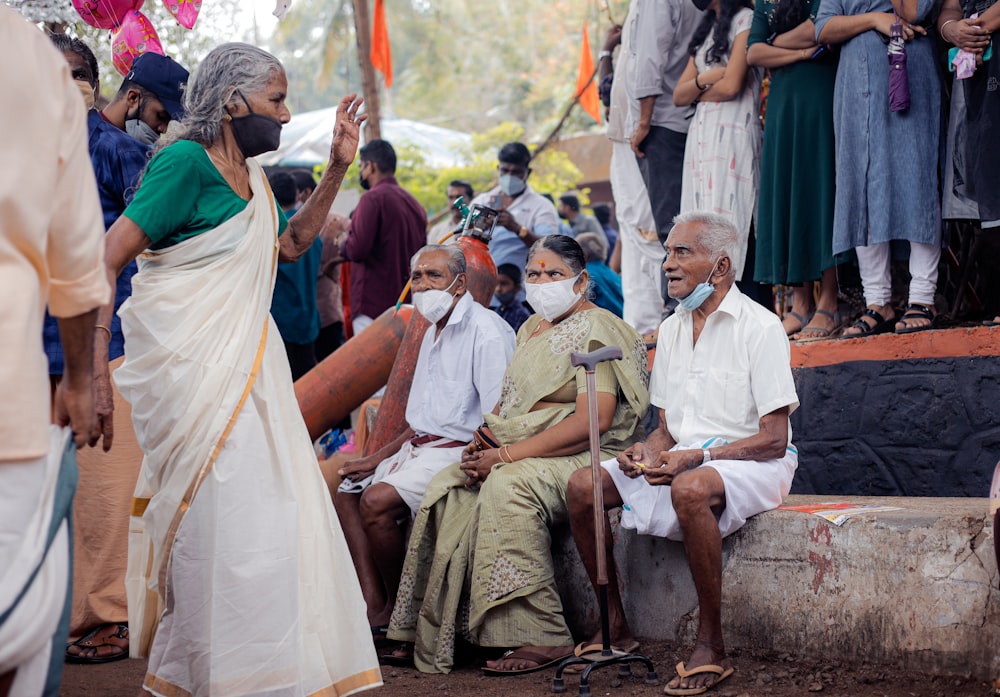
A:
x,y
605,284
293,305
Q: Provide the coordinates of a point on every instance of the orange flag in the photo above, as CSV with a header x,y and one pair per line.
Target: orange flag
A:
x,y
590,102
381,51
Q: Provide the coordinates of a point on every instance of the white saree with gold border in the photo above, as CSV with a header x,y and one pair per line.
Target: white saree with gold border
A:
x,y
239,579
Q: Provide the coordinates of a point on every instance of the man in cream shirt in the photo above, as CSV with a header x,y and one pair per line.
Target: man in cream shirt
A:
x,y
51,252
722,451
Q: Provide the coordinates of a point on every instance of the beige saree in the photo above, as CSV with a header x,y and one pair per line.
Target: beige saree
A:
x,y
239,580
478,565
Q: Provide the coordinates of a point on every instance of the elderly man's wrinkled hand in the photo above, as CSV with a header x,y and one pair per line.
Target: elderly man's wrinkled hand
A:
x,y
356,470
74,407
633,461
671,463
346,131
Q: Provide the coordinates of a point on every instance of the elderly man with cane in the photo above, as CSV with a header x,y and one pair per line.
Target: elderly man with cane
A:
x,y
722,451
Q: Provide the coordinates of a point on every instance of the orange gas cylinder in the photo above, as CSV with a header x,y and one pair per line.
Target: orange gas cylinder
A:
x,y
481,271
481,276
346,378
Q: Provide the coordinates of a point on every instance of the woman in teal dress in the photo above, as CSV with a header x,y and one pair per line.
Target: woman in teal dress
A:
x,y
797,175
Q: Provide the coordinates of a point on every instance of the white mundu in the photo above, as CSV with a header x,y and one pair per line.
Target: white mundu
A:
x,y
235,550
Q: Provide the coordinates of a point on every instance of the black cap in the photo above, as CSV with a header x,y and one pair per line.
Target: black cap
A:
x,y
162,76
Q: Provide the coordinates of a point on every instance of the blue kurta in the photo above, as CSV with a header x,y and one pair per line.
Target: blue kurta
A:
x,y
887,162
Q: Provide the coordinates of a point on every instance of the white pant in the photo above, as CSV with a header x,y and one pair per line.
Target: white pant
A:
x,y
873,262
641,258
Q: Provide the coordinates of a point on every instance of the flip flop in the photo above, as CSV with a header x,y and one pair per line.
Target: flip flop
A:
x,y
683,672
390,658
116,640
527,654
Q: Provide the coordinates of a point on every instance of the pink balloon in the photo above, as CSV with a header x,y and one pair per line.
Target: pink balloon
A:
x,y
105,14
184,11
135,37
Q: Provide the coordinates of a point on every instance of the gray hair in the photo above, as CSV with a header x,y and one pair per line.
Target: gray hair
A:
x,y
593,246
226,70
456,257
717,235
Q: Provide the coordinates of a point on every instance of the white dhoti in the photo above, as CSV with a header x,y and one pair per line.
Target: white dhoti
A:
x,y
409,470
752,487
35,499
239,581
642,253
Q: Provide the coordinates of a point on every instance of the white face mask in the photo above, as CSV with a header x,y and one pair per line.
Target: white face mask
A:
x,y
511,185
433,303
552,300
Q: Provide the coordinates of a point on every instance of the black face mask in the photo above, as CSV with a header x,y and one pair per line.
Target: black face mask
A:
x,y
363,180
255,133
702,4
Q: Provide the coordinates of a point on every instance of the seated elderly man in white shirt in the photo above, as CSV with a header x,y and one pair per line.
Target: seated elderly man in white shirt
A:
x,y
722,452
457,379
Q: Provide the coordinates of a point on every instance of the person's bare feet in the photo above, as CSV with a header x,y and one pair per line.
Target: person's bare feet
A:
x,y
703,655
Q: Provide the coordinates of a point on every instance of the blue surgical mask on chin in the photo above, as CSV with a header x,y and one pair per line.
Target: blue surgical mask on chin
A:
x,y
700,293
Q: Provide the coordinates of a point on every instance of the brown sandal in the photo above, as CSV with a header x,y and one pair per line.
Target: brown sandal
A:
x,y
105,643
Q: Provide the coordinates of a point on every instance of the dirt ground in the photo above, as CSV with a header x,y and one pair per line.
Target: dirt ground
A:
x,y
758,674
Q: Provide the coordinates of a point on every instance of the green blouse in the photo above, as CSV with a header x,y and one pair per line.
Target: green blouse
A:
x,y
183,195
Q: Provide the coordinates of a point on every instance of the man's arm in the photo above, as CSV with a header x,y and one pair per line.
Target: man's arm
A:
x,y
74,400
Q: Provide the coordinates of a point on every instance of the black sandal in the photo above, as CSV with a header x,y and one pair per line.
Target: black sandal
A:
x,y
881,326
917,311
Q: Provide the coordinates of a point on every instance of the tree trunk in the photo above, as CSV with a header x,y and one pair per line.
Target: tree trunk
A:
x,y
369,89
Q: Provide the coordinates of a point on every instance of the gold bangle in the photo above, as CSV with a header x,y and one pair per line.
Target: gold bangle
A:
x,y
941,29
506,462
101,326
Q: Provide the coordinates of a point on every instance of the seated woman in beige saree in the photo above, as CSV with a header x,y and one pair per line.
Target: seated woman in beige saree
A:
x,y
478,565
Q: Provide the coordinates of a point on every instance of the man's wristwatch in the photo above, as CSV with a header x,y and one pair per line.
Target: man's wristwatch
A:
x,y
603,54
523,232
706,456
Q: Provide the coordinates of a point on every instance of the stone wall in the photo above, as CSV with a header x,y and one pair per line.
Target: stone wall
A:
x,y
916,427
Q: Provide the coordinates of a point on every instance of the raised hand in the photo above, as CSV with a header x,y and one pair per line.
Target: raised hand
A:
x,y
346,131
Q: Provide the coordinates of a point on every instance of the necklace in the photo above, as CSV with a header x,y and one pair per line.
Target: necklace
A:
x,y
238,177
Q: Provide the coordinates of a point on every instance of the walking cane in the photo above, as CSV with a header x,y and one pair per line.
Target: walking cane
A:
x,y
608,657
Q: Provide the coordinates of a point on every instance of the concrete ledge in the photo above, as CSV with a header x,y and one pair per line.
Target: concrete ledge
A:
x,y
916,586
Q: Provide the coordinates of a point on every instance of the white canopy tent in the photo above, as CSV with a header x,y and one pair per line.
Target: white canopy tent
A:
x,y
305,140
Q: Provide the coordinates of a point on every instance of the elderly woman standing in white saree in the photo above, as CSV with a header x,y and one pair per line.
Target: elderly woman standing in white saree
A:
x,y
239,579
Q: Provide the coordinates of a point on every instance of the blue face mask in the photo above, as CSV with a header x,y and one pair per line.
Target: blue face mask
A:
x,y
700,293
